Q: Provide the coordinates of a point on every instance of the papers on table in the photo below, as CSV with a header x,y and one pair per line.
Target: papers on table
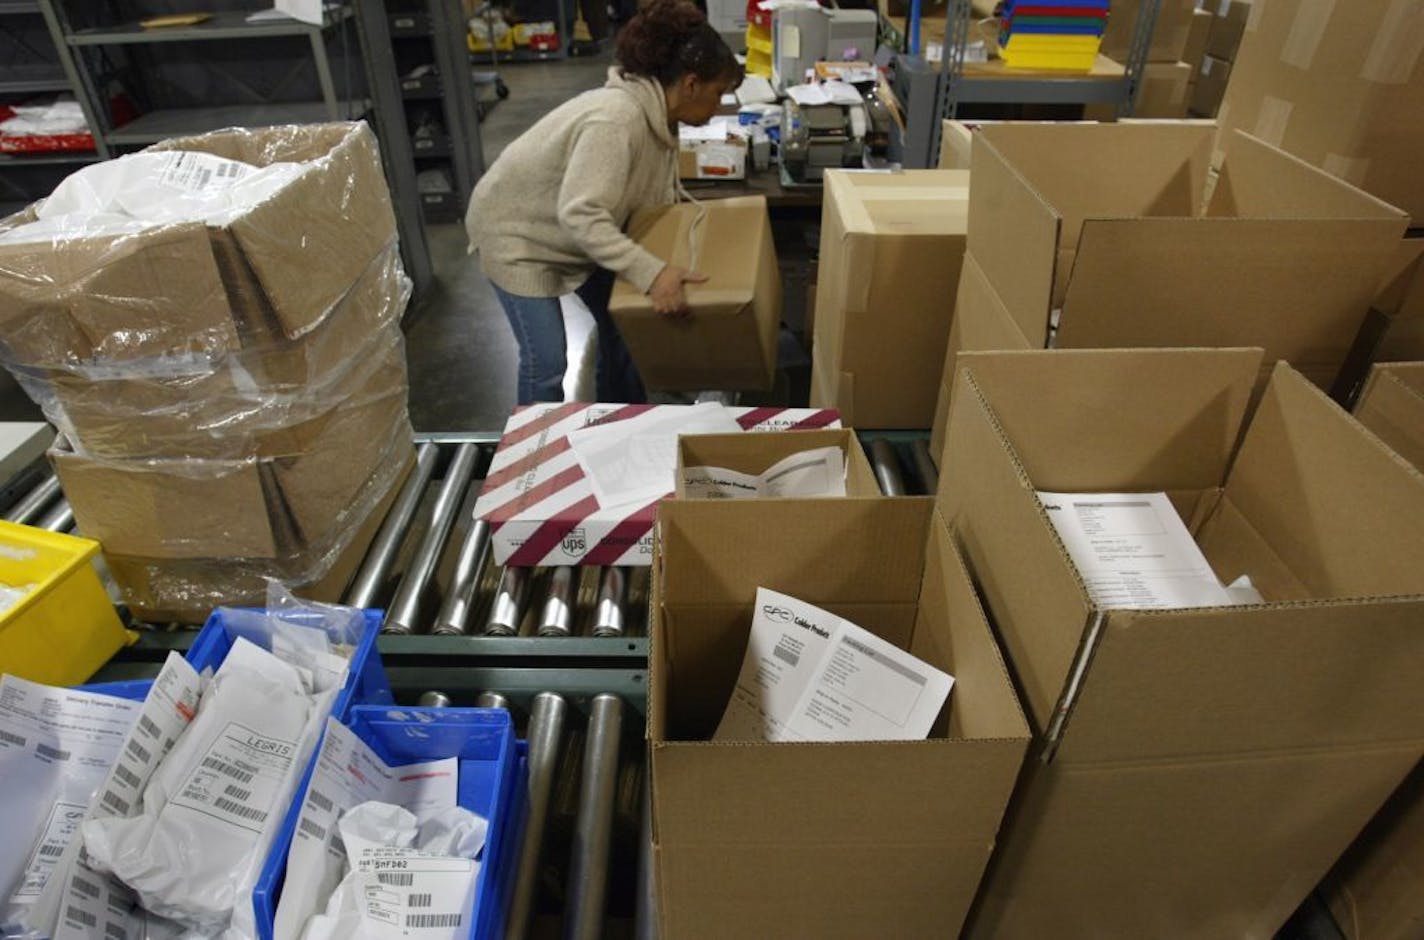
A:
x,y
1133,551
809,474
635,461
809,675
824,93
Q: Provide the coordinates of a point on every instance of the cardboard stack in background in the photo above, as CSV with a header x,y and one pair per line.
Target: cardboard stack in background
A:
x,y
232,400
729,341
891,247
1194,772
1163,89
1214,72
1376,891
1064,253
872,839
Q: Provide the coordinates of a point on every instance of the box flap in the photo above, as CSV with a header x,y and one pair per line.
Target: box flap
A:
x,y
1226,282
709,555
755,453
1340,509
913,202
1258,180
1392,406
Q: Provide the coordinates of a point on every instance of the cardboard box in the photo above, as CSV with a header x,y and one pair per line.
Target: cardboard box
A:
x,y
241,404
1195,772
1337,85
891,246
757,453
1169,35
1376,892
1284,256
186,590
1162,94
1197,33
1228,25
729,341
262,507
542,509
268,276
880,839
1210,87
1392,406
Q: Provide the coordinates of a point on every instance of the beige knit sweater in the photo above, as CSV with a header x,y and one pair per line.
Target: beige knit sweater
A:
x,y
554,204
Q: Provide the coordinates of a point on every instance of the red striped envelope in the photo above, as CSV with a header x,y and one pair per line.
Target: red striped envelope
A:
x,y
541,509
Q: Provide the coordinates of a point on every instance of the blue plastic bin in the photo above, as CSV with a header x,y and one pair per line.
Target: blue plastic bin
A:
x,y
493,769
366,684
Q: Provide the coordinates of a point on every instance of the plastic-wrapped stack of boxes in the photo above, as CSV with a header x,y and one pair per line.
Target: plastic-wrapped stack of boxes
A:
x,y
232,398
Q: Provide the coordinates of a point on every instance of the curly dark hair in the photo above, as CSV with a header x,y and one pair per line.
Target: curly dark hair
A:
x,y
669,38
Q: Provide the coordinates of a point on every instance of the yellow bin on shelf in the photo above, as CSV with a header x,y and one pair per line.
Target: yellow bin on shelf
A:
x,y
65,627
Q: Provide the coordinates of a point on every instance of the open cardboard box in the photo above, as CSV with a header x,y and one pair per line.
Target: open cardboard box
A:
x,y
757,453
1392,406
1195,772
1103,230
878,839
259,507
891,247
729,341
269,276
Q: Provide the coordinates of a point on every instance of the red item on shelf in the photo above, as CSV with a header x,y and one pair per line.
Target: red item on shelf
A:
x,y
757,16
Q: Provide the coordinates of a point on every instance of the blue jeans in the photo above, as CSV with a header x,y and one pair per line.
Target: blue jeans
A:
x,y
538,325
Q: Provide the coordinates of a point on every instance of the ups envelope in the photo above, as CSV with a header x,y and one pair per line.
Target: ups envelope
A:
x,y
729,339
873,839
1195,772
1101,236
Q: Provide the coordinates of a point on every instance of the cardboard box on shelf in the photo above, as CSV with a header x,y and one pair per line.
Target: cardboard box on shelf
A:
x,y
1161,736
1336,84
1169,35
755,453
1162,94
1376,892
729,341
267,276
261,507
1197,33
185,590
1284,256
1228,25
899,236
542,509
1213,76
742,829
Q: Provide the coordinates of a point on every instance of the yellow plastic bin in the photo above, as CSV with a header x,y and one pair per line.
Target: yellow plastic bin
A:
x,y
65,627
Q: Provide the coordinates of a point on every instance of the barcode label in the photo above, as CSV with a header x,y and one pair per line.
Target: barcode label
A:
x,y
8,738
401,879
312,829
320,800
139,752
85,887
240,811
146,725
126,776
237,793
51,850
223,767
80,916
53,753
112,929
434,920
420,900
115,802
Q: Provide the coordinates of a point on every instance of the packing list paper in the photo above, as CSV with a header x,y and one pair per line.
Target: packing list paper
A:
x,y
808,474
56,748
348,773
1133,551
809,675
635,461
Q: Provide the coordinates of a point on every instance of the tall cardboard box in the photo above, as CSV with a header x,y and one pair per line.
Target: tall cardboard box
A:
x,y
1340,85
1169,35
728,342
1212,79
1198,31
1228,25
1063,253
1195,772
1376,891
875,839
891,246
